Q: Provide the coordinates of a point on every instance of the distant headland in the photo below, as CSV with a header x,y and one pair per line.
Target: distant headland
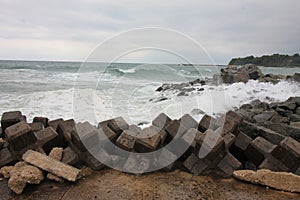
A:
x,y
275,60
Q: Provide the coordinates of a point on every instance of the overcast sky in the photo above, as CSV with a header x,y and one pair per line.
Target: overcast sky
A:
x,y
71,29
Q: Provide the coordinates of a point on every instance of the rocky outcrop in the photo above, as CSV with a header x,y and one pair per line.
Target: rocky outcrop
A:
x,y
233,74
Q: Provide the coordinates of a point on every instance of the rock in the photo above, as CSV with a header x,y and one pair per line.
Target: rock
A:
x,y
43,120
296,77
1,143
56,154
294,100
297,124
20,136
265,116
277,180
50,165
6,171
288,105
161,121
207,122
288,152
231,75
10,118
23,175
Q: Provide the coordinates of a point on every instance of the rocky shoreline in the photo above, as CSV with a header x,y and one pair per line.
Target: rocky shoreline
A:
x,y
255,136
227,75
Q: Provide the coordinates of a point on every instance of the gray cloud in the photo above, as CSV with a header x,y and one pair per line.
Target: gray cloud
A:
x,y
70,29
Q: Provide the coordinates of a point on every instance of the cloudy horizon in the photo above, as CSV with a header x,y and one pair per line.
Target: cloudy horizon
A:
x,y
71,30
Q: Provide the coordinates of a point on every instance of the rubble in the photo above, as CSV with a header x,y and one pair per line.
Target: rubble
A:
x,y
50,165
278,180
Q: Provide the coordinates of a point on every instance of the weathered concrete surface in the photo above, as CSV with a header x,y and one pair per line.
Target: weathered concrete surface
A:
x,y
278,180
111,184
50,165
20,176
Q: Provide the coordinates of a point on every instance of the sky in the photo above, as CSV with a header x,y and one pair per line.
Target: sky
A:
x,y
72,30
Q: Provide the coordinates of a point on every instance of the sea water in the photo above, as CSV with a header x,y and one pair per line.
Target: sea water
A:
x,y
44,88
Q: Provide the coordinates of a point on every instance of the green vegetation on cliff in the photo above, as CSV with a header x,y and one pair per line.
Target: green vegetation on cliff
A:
x,y
275,60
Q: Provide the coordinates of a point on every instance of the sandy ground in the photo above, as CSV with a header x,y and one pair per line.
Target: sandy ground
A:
x,y
111,184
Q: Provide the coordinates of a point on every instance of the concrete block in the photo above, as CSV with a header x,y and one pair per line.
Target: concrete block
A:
x,y
50,165
229,122
161,121
229,139
10,118
84,136
6,158
47,139
36,126
192,137
288,152
134,128
70,157
195,165
210,145
54,123
111,135
43,120
20,136
175,129
166,160
241,143
137,164
118,125
207,122
126,140
188,121
258,149
149,139
229,164
64,129
273,164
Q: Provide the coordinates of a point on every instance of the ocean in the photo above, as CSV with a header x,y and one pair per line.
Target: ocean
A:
x,y
98,91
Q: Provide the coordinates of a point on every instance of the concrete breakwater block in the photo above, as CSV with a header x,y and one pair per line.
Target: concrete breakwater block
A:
x,y
10,118
20,136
